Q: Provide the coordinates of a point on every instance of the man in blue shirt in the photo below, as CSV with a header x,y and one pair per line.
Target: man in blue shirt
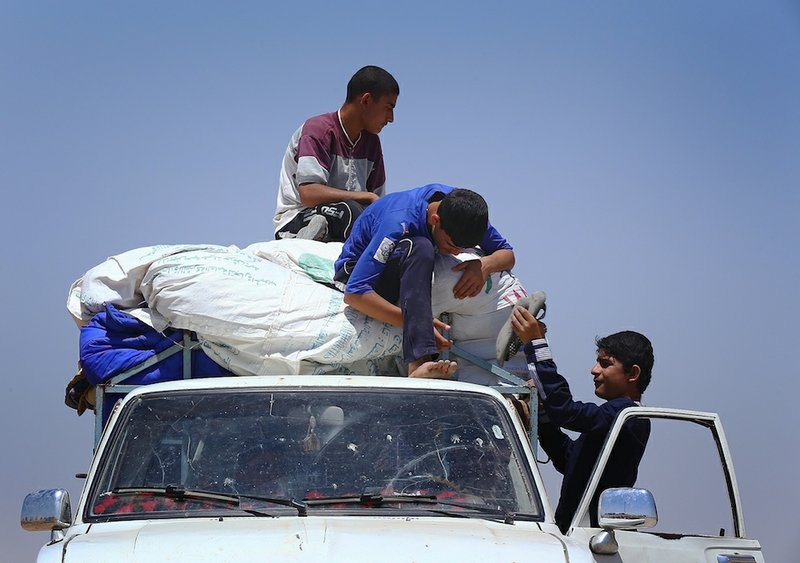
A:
x,y
386,265
621,374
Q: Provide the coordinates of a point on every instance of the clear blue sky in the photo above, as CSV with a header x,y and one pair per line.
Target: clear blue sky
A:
x,y
643,158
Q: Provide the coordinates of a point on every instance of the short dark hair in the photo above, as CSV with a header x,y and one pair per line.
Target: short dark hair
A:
x,y
464,216
373,80
630,348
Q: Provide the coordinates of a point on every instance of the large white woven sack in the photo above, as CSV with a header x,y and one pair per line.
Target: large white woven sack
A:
x,y
117,281
475,321
258,317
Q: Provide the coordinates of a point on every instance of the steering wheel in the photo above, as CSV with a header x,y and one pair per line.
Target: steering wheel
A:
x,y
419,475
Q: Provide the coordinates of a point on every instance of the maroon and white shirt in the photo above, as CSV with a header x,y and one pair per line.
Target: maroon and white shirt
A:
x,y
320,152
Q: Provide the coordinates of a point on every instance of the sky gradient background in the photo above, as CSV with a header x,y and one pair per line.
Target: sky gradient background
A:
x,y
642,157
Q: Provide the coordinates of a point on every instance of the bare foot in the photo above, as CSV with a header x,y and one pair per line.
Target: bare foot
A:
x,y
440,369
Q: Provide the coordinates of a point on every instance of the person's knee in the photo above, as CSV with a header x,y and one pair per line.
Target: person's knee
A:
x,y
355,208
340,216
418,248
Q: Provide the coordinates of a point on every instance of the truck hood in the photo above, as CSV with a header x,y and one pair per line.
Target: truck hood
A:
x,y
313,539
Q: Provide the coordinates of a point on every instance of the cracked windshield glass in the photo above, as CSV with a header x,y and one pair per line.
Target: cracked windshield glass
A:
x,y
203,452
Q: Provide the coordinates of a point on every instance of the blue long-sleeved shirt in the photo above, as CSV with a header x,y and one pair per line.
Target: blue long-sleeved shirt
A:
x,y
383,223
575,459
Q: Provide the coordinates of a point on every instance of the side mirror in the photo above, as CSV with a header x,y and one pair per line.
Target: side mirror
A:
x,y
46,510
627,509
622,509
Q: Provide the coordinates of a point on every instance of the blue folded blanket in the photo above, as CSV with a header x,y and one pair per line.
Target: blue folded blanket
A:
x,y
114,342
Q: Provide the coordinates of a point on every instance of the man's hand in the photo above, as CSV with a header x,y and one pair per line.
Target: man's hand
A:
x,y
365,198
472,279
525,325
439,327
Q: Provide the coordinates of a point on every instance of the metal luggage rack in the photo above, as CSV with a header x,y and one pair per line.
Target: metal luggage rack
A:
x,y
116,385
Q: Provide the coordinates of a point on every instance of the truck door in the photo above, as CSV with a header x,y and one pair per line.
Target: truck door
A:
x,y
687,467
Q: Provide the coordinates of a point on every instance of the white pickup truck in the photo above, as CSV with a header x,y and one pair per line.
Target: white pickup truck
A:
x,y
331,468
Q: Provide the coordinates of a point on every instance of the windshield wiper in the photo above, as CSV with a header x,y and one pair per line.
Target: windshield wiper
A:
x,y
181,493
374,499
369,498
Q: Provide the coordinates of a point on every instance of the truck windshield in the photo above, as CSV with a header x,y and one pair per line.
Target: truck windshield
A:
x,y
284,448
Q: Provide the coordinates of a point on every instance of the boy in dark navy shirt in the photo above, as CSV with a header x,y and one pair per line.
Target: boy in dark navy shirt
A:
x,y
621,374
386,265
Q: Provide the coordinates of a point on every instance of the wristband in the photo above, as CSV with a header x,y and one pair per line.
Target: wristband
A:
x,y
539,349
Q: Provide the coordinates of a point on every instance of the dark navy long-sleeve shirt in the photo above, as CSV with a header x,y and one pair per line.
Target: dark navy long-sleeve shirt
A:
x,y
576,458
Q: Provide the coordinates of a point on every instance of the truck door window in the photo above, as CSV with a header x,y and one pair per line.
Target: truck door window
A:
x,y
681,467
